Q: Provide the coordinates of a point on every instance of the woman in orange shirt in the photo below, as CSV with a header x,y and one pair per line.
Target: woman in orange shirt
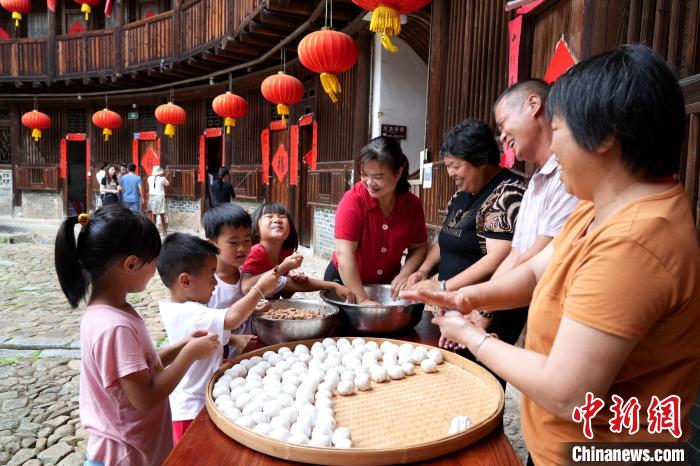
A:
x,y
615,298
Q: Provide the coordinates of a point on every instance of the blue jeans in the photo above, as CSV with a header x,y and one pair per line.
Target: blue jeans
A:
x,y
93,463
136,205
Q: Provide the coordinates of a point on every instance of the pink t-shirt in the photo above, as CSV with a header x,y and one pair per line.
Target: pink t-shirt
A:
x,y
113,344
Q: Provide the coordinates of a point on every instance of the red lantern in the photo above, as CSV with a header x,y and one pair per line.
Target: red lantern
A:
x,y
107,120
36,121
283,90
170,115
230,106
329,53
87,6
386,16
18,8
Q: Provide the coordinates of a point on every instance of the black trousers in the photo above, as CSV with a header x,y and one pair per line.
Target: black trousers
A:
x,y
331,274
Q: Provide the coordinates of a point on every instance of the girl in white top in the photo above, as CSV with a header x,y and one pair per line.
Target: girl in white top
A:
x,y
156,197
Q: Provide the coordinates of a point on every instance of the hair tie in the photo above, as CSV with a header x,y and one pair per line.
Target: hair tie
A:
x,y
83,220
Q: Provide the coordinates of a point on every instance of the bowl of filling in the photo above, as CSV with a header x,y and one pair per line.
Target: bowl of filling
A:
x,y
294,319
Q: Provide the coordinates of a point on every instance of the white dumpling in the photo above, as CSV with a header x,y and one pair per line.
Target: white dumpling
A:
x,y
220,391
290,414
346,387
459,424
342,342
436,355
260,417
283,350
328,342
237,382
320,441
280,434
275,359
406,348
419,354
343,443
289,389
369,359
272,408
246,363
302,428
405,358
300,348
323,402
317,346
390,358
408,368
298,438
379,374
371,345
245,421
232,414
395,372
279,422
322,429
251,408
428,365
225,379
347,375
358,341
262,429
242,400
362,382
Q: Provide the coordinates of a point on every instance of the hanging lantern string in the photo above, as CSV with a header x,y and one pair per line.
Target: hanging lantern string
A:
x,y
230,83
172,95
34,102
106,101
325,19
331,14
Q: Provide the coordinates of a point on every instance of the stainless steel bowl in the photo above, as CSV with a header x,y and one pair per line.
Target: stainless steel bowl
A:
x,y
273,331
389,316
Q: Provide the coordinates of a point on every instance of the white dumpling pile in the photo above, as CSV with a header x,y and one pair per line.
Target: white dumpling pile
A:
x,y
288,395
459,424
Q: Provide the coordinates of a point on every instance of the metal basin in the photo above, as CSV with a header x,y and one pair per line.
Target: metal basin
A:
x,y
273,331
387,317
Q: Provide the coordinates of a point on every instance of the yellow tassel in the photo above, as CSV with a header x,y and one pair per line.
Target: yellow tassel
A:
x,y
36,134
87,10
331,85
387,22
107,133
17,16
283,110
228,123
169,130
386,43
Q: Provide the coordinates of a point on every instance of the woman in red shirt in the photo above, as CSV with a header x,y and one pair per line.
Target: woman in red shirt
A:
x,y
376,221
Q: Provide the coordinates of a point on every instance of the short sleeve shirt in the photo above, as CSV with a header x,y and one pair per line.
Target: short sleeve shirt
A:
x,y
226,294
382,240
156,185
130,184
259,261
115,343
180,320
471,218
637,276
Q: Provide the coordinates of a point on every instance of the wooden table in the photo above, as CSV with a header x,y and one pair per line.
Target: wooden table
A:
x,y
205,444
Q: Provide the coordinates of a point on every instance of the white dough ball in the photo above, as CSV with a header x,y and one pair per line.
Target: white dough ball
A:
x,y
232,414
341,433
299,366
344,443
285,400
328,342
395,372
274,359
358,341
302,428
237,382
459,424
300,348
405,358
361,370
369,359
342,342
379,374
219,391
245,421
251,408
346,386
289,389
408,368
304,357
390,358
246,363
262,429
406,348
237,391
345,349
237,370
272,408
298,438
257,370
283,350
325,412
319,354
317,345
352,363
419,354
225,379
386,346
428,365
371,345
322,429
260,417
242,400
253,392
436,355
309,411
271,380
320,441
362,382
275,372
323,402
332,361
274,390
284,365
290,414
266,355
279,422
280,434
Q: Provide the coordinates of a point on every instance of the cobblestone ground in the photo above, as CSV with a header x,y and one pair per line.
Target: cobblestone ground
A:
x,y
39,360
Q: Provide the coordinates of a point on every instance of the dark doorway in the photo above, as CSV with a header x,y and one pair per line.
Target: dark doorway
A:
x,y
212,152
75,154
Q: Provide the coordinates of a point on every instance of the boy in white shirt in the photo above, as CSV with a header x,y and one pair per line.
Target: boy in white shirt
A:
x,y
187,265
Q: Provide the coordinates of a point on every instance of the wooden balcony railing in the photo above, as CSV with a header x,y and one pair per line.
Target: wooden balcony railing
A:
x,y
183,182
21,58
169,35
84,52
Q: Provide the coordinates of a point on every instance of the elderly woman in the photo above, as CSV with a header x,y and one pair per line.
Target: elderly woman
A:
x,y
376,221
615,298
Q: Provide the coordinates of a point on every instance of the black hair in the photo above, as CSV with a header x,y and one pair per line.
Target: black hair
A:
x,y
222,216
183,253
100,165
106,177
223,171
525,88
386,151
131,167
472,141
112,233
292,242
631,94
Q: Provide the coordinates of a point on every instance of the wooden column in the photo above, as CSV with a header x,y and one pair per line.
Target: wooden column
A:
x,y
51,48
363,73
15,149
439,31
118,11
176,46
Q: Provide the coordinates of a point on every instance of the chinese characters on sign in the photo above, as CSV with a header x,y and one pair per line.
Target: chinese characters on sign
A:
x,y
394,131
661,415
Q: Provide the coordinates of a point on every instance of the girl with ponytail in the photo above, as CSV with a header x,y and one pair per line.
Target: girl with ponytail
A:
x,y
376,221
124,381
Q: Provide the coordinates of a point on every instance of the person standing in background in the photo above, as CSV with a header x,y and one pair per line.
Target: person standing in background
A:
x,y
132,189
156,198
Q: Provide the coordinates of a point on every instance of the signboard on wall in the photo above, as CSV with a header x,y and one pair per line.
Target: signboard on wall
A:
x,y
394,131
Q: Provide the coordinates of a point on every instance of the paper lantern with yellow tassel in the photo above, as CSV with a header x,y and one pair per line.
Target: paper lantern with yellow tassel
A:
x,y
329,53
86,6
230,106
283,90
170,115
18,8
37,121
107,120
386,16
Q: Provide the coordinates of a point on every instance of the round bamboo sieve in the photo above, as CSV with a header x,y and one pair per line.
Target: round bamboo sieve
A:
x,y
395,422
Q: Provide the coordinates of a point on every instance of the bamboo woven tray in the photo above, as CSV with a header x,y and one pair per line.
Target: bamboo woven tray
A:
x,y
396,422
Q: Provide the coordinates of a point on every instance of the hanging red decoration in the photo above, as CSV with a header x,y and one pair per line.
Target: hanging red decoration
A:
x,y
328,53
107,120
170,115
283,90
87,6
386,16
37,121
18,8
230,106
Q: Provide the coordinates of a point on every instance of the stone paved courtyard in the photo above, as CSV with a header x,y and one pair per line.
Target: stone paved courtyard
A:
x,y
40,366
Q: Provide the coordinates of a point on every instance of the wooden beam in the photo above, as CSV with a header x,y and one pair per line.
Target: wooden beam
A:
x,y
232,45
256,40
197,64
264,30
296,7
214,58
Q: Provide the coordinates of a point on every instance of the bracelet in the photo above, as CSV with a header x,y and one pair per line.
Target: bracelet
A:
x,y
258,290
443,285
481,342
488,315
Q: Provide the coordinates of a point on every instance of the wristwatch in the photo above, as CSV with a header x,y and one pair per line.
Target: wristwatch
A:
x,y
443,285
488,315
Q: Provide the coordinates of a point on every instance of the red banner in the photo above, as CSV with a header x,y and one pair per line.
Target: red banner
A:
x,y
75,136
202,160
306,119
528,8
212,132
135,155
265,143
515,27
88,169
51,4
223,152
312,155
146,136
294,156
561,61
150,159
64,162
280,162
